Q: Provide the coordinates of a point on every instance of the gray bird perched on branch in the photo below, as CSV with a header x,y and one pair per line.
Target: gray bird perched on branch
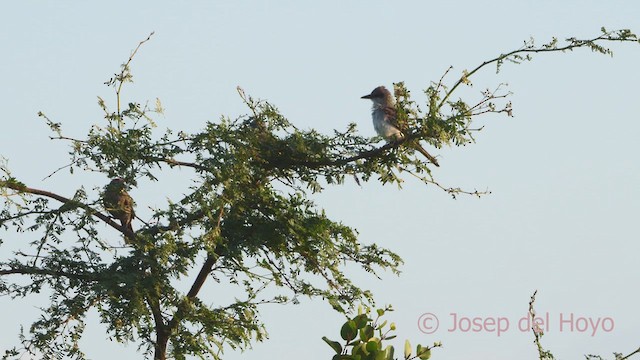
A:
x,y
385,120
119,204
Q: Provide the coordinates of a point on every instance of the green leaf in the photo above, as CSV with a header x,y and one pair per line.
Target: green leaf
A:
x,y
373,346
355,342
348,331
359,350
366,333
380,355
424,353
388,352
345,357
407,349
361,320
334,345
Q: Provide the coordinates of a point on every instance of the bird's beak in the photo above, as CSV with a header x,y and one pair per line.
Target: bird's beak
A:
x,y
366,97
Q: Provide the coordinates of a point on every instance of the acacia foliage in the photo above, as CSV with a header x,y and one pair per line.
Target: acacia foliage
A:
x,y
246,220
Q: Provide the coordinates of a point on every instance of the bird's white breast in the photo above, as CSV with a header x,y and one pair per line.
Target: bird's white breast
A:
x,y
383,127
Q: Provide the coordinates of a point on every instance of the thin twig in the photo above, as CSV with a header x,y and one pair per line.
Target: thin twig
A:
x,y
630,355
126,66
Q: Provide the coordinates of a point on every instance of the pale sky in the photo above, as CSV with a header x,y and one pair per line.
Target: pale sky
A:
x,y
563,214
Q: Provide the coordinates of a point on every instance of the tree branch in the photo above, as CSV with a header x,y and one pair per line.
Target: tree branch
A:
x,y
20,188
200,279
573,44
28,270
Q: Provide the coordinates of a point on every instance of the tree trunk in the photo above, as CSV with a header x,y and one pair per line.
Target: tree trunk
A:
x,y
162,340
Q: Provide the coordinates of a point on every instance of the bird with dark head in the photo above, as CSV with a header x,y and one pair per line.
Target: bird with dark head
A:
x,y
119,204
385,120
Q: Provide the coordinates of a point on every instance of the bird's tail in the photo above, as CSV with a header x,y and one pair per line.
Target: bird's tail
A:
x,y
126,224
426,154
